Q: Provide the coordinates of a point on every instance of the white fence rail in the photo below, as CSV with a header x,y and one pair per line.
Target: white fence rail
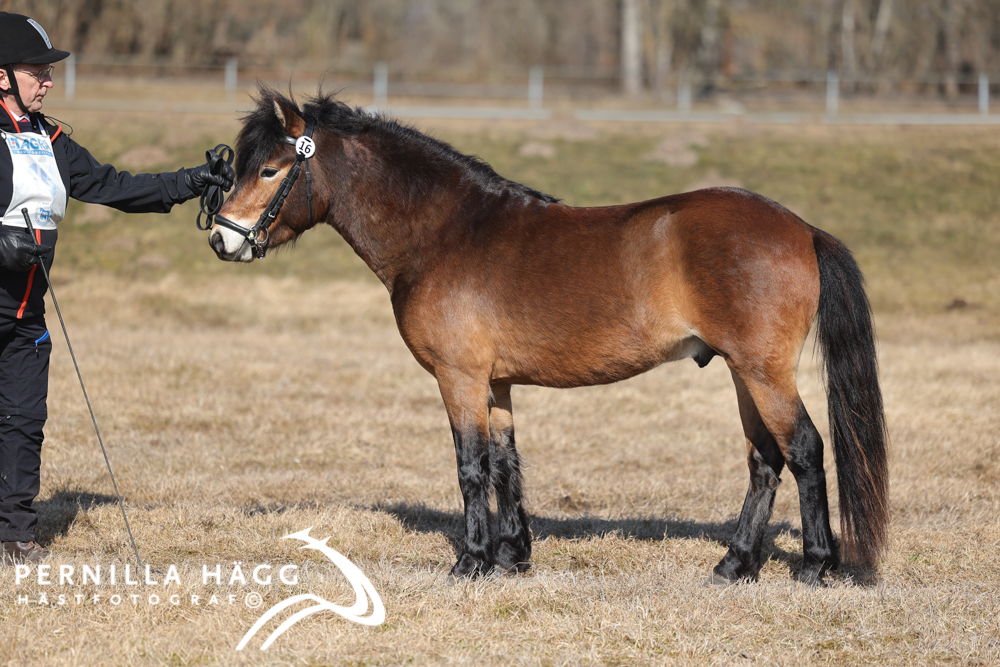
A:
x,y
683,106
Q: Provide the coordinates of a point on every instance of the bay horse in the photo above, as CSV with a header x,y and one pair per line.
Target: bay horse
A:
x,y
495,284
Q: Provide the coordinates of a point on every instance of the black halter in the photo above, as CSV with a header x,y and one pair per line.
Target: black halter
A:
x,y
257,236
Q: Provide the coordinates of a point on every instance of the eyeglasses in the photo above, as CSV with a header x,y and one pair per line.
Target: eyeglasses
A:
x,y
40,75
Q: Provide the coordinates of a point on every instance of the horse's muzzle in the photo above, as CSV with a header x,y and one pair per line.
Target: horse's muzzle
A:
x,y
230,246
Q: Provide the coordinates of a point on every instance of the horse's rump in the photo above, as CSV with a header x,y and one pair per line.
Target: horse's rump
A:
x,y
750,272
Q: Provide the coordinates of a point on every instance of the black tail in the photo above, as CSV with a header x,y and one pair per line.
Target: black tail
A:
x,y
846,336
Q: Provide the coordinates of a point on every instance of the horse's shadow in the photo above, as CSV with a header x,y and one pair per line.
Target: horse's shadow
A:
x,y
58,512
421,519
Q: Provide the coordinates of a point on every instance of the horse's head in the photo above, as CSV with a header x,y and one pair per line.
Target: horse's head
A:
x,y
277,196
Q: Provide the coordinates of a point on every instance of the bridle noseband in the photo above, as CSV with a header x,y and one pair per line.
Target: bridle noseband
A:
x,y
257,236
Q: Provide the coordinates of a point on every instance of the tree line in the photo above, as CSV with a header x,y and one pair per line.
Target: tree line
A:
x,y
642,44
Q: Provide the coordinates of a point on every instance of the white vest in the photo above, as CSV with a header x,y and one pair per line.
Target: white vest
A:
x,y
36,180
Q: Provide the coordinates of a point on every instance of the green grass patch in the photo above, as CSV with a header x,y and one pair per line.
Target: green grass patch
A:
x,y
918,207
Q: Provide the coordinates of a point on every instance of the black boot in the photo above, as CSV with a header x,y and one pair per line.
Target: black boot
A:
x,y
24,552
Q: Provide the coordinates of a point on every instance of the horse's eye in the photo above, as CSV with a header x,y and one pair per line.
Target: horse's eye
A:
x,y
268,172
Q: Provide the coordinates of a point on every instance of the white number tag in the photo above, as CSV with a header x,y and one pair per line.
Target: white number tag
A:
x,y
305,146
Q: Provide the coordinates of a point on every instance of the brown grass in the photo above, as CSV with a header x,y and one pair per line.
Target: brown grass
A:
x,y
240,404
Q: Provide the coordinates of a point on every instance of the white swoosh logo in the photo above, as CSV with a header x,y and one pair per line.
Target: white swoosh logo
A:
x,y
363,590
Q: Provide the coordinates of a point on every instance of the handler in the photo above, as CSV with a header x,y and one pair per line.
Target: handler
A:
x,y
40,166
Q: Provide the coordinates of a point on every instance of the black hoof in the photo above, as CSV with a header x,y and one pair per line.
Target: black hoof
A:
x,y
718,580
731,570
519,567
812,575
470,566
512,559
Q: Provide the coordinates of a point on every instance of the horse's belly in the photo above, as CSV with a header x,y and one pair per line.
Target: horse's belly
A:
x,y
579,362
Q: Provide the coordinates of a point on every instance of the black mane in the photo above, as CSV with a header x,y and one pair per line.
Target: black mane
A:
x,y
262,130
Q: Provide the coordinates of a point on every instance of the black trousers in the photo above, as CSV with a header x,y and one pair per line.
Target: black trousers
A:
x,y
25,347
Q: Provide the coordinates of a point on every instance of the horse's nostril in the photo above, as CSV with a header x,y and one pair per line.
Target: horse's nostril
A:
x,y
218,244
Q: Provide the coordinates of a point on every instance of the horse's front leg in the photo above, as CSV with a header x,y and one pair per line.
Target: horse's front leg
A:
x,y
467,400
513,550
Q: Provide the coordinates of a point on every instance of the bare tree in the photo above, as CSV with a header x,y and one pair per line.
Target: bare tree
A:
x,y
631,48
628,41
709,56
848,28
882,22
952,21
660,13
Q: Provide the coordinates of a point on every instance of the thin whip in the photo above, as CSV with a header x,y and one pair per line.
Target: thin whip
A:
x,y
121,505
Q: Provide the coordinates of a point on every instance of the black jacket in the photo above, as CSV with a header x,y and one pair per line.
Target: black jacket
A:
x,y
89,181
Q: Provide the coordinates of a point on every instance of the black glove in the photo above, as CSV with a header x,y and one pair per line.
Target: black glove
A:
x,y
18,252
199,178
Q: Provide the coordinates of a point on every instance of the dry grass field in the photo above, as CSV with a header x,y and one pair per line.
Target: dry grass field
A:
x,y
243,403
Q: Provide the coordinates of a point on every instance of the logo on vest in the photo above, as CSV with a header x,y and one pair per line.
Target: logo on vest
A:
x,y
29,145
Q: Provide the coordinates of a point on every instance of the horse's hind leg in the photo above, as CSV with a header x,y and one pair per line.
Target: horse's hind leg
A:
x,y
743,560
513,546
467,401
785,418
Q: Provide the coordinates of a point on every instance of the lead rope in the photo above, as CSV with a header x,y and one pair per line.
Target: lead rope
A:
x,y
214,196
121,505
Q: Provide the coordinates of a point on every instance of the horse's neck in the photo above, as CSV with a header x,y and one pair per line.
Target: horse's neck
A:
x,y
390,222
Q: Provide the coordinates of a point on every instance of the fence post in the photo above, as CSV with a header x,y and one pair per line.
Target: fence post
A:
x,y
832,93
232,70
684,91
984,94
536,81
380,85
71,76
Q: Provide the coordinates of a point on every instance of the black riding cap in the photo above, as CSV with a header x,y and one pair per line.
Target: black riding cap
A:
x,y
22,40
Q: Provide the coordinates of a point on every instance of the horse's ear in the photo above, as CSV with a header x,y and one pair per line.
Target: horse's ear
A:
x,y
294,124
